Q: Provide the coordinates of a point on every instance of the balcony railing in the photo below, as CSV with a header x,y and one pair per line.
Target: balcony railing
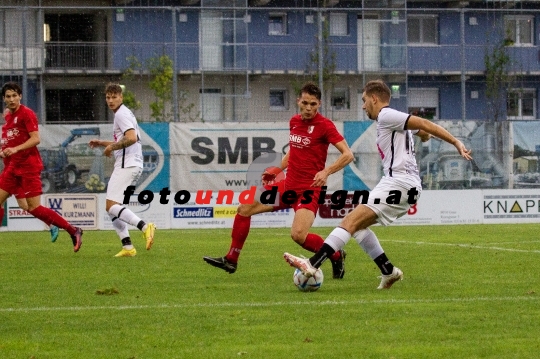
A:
x,y
265,58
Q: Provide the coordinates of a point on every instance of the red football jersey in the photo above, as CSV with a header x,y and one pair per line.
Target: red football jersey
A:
x,y
308,149
16,131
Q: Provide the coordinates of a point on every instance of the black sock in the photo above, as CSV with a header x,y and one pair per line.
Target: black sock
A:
x,y
384,264
126,241
140,225
323,254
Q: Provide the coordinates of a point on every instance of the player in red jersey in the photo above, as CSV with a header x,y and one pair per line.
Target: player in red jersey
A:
x,y
309,138
22,163
401,184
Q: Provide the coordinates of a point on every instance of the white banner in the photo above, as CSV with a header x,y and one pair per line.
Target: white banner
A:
x,y
207,156
78,209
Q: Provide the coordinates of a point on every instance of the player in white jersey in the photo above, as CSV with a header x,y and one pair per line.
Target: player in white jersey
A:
x,y
128,167
399,188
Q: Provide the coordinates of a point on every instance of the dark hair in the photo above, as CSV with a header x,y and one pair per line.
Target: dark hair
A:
x,y
113,88
311,89
378,88
13,86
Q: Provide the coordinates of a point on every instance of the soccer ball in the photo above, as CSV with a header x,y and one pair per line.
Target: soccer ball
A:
x,y
305,284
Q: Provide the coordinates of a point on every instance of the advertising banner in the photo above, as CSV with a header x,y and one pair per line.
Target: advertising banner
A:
x,y
20,220
516,206
219,212
71,166
81,210
217,156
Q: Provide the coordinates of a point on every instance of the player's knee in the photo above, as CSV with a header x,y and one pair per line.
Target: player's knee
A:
x,y
298,236
247,210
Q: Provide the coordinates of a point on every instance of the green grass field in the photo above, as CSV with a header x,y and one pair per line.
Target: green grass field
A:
x,y
468,292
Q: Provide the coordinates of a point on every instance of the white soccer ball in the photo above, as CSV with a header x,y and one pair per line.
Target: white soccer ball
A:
x,y
305,284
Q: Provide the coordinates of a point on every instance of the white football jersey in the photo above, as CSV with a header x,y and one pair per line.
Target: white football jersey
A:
x,y
396,146
130,156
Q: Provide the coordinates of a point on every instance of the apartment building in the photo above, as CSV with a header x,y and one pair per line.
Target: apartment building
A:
x,y
244,60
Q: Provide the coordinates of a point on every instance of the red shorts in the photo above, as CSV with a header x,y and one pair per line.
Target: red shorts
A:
x,y
309,195
26,186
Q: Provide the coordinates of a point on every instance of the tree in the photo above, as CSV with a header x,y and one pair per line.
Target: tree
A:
x,y
129,97
329,77
498,79
161,70
161,83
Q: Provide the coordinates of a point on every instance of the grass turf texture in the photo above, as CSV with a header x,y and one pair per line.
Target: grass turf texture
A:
x,y
469,292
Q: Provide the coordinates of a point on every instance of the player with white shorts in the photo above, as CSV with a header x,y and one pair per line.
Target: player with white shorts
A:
x,y
395,144
128,167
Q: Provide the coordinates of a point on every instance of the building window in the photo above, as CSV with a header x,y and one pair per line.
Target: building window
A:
x,y
277,24
422,30
338,24
521,104
278,100
518,30
423,102
340,99
72,106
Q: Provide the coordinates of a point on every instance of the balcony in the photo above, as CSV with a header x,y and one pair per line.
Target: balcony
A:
x,y
101,57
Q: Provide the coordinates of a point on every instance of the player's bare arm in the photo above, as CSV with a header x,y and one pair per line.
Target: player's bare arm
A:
x,y
418,123
130,137
33,141
99,143
343,160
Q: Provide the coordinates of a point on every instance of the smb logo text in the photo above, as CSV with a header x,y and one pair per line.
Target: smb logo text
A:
x,y
239,152
525,206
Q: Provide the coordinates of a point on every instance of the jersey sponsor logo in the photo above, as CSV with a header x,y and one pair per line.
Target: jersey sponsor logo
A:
x,y
299,139
12,133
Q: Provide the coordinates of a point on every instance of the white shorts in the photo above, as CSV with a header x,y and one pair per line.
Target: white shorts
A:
x,y
388,213
120,179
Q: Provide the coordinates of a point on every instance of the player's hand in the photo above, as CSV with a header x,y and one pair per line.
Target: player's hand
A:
x,y
2,155
320,179
463,151
9,151
272,175
108,151
424,137
94,143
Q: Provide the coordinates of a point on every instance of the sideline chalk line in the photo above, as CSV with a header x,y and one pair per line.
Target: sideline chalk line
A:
x,y
466,246
272,304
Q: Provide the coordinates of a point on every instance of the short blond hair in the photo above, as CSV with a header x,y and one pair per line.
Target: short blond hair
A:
x,y
379,89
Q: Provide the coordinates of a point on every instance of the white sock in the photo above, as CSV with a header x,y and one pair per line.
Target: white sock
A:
x,y
124,214
338,238
120,227
369,242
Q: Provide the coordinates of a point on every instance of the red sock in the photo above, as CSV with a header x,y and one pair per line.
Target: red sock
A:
x,y
49,216
314,242
239,235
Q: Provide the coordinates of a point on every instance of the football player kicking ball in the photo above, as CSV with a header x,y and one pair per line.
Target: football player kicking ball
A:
x,y
128,167
309,138
396,146
22,163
